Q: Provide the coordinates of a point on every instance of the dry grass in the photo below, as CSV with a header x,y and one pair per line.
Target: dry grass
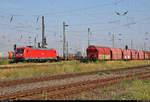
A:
x,y
138,90
65,67
4,61
135,90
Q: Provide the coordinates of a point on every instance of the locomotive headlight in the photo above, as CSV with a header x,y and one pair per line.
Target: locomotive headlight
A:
x,y
21,54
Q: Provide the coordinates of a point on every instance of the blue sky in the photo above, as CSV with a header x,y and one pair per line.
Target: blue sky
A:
x,y
99,15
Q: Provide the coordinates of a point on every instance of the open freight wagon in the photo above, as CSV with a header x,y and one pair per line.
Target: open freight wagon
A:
x,y
105,53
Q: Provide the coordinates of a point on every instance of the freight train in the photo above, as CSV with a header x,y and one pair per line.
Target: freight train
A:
x,y
30,54
105,53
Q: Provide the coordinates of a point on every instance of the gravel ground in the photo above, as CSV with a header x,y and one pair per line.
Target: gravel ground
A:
x,y
7,90
23,87
99,94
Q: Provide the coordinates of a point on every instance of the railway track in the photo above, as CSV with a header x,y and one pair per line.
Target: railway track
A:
x,y
58,92
28,66
63,76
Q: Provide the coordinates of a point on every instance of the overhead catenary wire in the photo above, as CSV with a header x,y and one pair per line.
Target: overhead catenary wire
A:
x,y
80,9
123,25
132,23
74,25
77,32
69,11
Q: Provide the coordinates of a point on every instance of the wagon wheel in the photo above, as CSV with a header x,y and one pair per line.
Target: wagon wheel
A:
x,y
93,58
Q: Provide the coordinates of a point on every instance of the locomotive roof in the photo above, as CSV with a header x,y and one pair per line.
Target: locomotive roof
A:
x,y
35,48
43,48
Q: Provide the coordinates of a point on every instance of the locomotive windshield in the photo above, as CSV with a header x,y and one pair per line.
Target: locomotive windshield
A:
x,y
19,50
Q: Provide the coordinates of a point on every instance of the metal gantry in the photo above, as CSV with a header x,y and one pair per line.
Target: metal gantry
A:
x,y
114,38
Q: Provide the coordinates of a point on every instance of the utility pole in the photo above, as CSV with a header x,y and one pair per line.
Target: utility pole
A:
x,y
67,49
113,40
131,44
43,33
88,36
64,39
144,46
30,41
35,42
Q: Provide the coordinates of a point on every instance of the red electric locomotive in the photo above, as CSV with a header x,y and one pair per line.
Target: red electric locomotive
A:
x,y
34,54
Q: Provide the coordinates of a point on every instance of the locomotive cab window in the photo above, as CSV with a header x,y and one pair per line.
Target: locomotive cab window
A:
x,y
19,50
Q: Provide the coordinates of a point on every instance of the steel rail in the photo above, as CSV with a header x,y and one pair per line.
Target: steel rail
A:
x,y
97,84
62,76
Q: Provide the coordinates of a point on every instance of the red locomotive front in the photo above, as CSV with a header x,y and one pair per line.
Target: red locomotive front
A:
x,y
35,54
